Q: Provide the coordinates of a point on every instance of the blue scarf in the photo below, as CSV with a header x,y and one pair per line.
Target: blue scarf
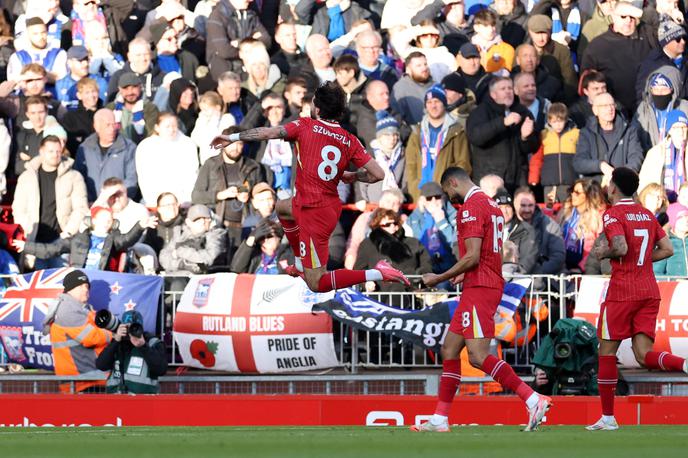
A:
x,y
573,22
573,244
431,238
674,168
268,265
169,63
337,27
661,118
431,142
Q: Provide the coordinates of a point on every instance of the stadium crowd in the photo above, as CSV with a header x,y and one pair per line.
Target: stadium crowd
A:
x,y
109,108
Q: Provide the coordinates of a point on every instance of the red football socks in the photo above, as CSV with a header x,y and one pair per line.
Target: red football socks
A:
x,y
341,278
606,382
505,375
291,230
663,361
449,382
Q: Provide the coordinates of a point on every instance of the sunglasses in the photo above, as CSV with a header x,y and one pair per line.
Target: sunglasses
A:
x,y
390,224
434,198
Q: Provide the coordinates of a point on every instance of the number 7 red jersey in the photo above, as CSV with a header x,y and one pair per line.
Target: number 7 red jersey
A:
x,y
323,152
481,217
632,275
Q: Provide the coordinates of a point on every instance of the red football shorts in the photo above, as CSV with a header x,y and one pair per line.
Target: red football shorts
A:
x,y
474,317
316,225
621,320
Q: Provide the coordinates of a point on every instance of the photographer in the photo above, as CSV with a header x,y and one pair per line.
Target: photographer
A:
x,y
136,358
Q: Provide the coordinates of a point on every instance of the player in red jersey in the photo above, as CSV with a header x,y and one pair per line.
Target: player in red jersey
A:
x,y
323,152
632,301
480,226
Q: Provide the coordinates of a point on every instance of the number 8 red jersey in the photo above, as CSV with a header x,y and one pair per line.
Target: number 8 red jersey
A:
x,y
632,275
323,152
481,217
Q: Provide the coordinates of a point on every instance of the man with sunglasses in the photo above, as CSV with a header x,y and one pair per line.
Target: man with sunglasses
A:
x,y
619,51
672,50
171,58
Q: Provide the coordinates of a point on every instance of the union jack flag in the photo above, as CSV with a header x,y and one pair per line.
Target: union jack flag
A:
x,y
31,292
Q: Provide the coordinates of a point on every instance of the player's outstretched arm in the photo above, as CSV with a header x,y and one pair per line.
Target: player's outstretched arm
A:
x,y
371,172
663,250
467,262
617,249
252,135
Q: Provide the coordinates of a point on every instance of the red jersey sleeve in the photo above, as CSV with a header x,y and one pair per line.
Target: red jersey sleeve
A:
x,y
612,225
471,222
359,155
293,128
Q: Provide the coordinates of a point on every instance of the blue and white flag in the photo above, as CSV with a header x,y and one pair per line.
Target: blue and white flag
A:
x,y
25,300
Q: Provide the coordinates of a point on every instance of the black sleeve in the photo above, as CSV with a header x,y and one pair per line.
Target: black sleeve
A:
x,y
106,359
155,357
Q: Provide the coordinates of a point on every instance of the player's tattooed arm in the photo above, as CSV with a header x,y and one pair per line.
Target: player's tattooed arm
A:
x,y
616,249
263,133
663,250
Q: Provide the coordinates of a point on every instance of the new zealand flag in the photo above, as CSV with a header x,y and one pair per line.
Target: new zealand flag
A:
x,y
25,299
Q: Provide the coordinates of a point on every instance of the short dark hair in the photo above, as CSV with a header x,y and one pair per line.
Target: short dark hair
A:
x,y
113,181
35,100
50,139
558,111
295,81
347,62
485,17
591,76
626,180
330,99
454,172
413,55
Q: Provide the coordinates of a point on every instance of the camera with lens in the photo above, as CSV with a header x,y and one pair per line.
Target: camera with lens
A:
x,y
105,319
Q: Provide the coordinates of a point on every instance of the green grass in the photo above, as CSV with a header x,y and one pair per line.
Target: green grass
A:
x,y
334,442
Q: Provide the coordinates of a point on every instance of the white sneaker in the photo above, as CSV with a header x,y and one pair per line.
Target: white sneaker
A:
x,y
537,413
428,427
603,425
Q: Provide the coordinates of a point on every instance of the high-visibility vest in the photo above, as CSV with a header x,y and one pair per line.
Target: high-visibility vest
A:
x,y
136,376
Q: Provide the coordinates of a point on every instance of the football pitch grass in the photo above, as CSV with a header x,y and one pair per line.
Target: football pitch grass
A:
x,y
333,442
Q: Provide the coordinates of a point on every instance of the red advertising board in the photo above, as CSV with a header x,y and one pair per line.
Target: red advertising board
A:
x,y
315,410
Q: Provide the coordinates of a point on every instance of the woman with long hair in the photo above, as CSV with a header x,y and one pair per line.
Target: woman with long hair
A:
x,y
654,198
581,221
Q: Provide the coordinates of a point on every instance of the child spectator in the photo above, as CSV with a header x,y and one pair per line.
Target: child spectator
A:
x,y
210,123
552,164
496,56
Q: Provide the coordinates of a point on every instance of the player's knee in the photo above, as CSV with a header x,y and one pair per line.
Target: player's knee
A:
x,y
640,356
476,359
449,353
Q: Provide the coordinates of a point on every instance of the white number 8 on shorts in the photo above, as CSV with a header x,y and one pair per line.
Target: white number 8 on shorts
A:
x,y
466,319
302,249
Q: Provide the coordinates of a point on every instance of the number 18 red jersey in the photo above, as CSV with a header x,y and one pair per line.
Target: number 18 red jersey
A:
x,y
481,217
632,275
323,152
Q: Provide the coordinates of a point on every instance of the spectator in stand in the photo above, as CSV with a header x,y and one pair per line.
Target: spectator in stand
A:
x,y
37,50
140,62
388,241
261,75
373,66
528,61
262,253
490,184
502,135
398,13
460,101
376,100
49,200
619,51
318,69
593,83
135,115
449,16
526,91
477,79
127,212
552,165
350,78
425,39
84,13
334,20
31,83
59,25
172,58
104,62
346,43
408,94
606,142
169,216
78,66
433,222
210,123
654,198
520,233
30,133
196,245
105,154
167,10
496,56
294,93
665,163
511,20
202,13
661,95
677,264
598,22
436,144
230,22
581,222
167,161
289,57
277,155
182,102
551,254
78,123
263,201
566,21
555,57
390,199
388,151
224,184
671,52
96,247
237,100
